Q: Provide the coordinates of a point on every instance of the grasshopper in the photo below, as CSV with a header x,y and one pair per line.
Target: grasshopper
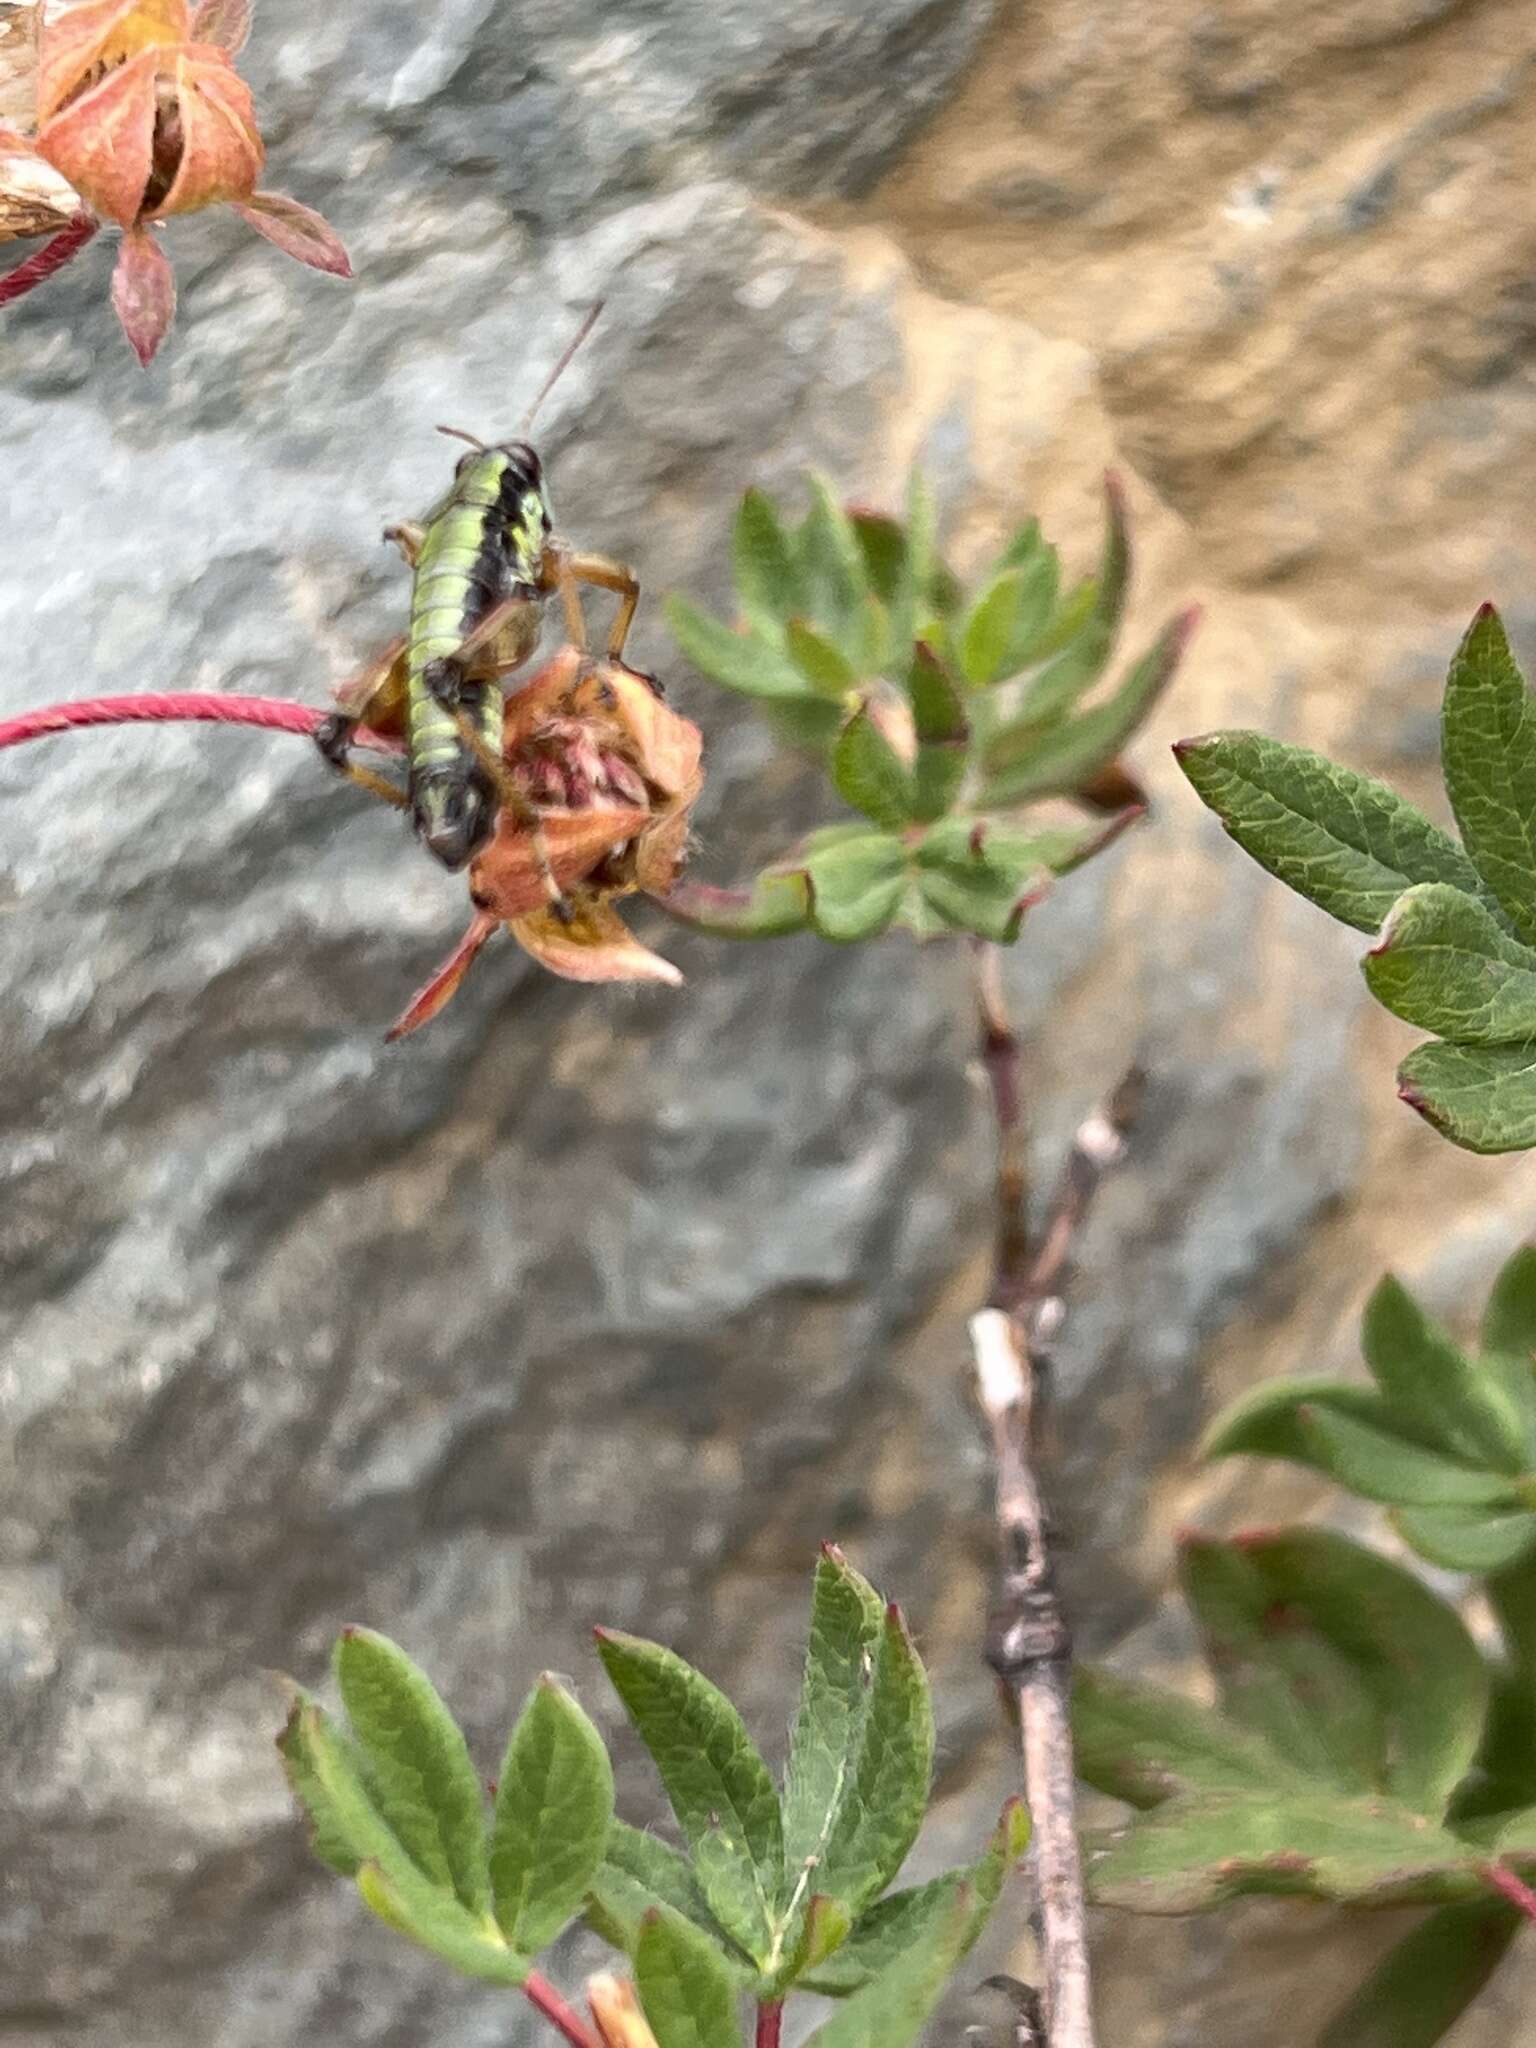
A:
x,y
484,562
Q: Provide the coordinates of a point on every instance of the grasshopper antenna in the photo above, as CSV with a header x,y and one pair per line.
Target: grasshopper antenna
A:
x,y
463,434
586,327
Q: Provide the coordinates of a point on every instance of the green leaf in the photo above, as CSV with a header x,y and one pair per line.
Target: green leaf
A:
x,y
1034,619
1026,546
432,1920
390,1879
554,1803
1481,1098
990,630
856,884
686,1990
1391,1469
1080,664
778,901
640,1871
1423,1985
890,2011
1503,1779
1488,750
883,544
1444,963
1025,760
1465,1540
1262,1422
943,735
888,1776
847,1621
419,1770
328,1836
831,562
1191,1854
717,1783
824,1927
825,667
1143,1743
1434,1390
810,723
869,774
1509,1347
977,876
1346,1661
922,552
893,1924
1068,619
1346,842
1517,1837
746,662
1513,1594
1509,1320
766,580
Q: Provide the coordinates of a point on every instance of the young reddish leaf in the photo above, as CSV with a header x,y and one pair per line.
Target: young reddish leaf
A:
x,y
75,41
297,230
144,292
224,23
102,141
222,153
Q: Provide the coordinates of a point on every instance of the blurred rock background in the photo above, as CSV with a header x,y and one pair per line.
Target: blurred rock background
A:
x,y
603,1306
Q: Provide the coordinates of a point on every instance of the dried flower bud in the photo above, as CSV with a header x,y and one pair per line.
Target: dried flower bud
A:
x,y
137,107
601,776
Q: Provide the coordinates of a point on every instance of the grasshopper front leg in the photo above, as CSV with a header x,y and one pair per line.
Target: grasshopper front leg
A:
x,y
409,537
374,697
562,570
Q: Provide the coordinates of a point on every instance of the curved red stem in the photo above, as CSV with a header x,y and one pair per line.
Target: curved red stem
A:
x,y
770,2017
275,714
54,254
540,1992
1513,1886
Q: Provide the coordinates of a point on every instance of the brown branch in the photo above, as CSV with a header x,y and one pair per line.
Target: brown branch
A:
x,y
1030,1646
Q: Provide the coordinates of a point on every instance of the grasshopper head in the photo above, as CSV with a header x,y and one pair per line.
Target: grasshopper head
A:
x,y
454,813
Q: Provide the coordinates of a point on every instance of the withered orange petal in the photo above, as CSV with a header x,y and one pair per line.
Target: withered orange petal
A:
x,y
224,22
529,702
441,989
668,749
101,142
144,292
100,32
594,944
507,875
222,154
660,851
298,231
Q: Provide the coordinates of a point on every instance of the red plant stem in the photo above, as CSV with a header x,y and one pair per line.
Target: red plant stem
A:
x,y
541,1993
53,255
770,2015
1514,1888
275,714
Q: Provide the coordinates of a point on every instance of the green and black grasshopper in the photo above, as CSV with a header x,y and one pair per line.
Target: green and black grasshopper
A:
x,y
485,560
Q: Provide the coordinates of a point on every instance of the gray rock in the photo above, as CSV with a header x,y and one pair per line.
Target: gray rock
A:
x,y
584,1305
